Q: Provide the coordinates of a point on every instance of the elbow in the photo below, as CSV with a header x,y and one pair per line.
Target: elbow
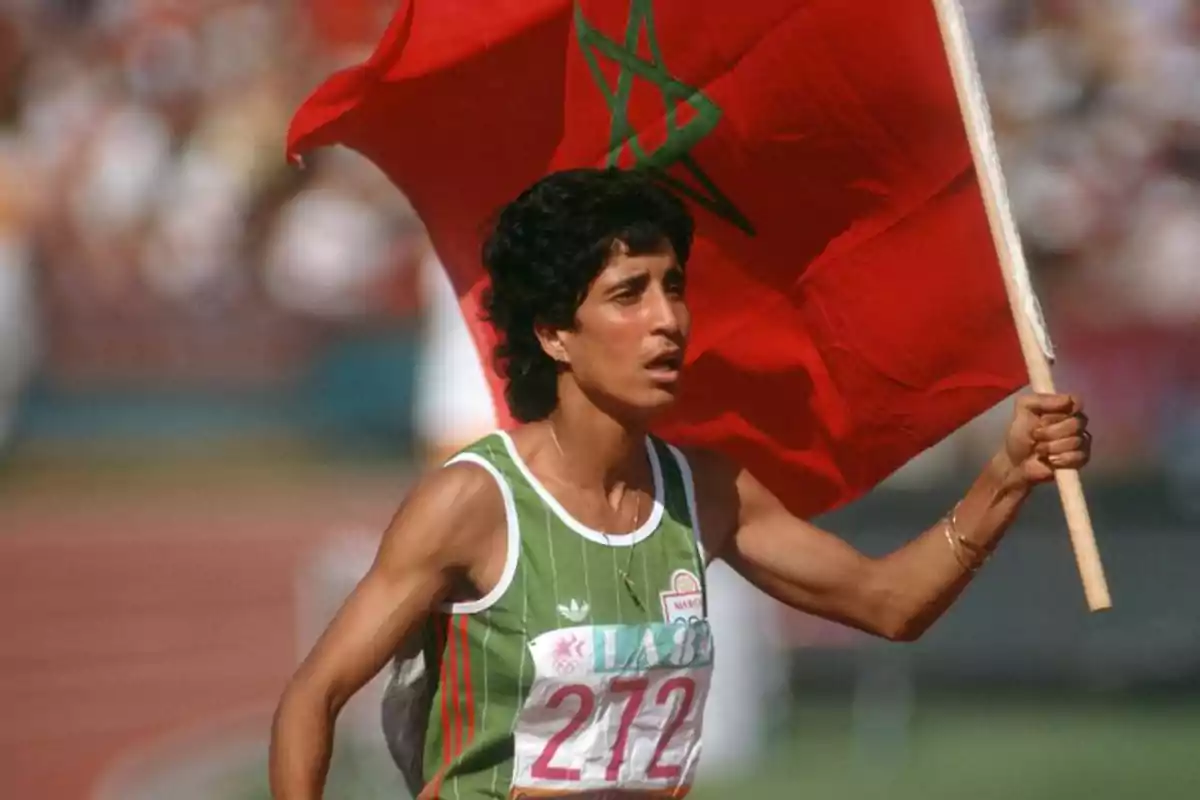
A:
x,y
301,739
892,615
902,630
305,699
293,704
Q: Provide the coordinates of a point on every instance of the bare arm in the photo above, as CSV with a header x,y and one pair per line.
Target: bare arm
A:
x,y
433,542
900,595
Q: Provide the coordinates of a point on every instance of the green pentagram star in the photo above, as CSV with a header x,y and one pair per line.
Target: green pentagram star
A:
x,y
680,138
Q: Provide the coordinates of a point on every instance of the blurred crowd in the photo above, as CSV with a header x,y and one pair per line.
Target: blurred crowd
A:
x,y
1097,108
142,181
147,215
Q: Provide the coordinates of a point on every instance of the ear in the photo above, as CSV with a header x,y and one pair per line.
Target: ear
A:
x,y
553,341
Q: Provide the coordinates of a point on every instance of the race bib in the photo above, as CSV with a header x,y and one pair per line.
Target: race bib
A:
x,y
614,710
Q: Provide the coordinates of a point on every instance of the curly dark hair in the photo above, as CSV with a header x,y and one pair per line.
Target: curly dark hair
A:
x,y
546,248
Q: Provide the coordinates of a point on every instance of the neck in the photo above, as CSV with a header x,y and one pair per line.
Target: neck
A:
x,y
598,451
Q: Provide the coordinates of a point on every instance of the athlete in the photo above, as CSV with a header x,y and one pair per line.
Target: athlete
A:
x,y
542,596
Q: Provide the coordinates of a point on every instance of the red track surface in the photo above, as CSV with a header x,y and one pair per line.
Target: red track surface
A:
x,y
131,612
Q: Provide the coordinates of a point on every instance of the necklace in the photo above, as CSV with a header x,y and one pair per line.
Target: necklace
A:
x,y
637,513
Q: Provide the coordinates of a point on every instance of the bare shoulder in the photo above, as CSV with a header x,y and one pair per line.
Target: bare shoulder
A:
x,y
715,477
711,470
728,496
446,516
720,476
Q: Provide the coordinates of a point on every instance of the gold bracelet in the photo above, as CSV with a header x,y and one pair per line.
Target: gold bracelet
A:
x,y
981,553
955,550
959,543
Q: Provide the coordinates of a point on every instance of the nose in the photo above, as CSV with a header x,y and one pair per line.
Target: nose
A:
x,y
666,312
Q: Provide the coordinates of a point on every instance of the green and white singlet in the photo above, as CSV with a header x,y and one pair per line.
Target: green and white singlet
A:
x,y
583,673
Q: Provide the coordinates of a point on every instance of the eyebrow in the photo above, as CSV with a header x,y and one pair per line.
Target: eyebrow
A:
x,y
636,281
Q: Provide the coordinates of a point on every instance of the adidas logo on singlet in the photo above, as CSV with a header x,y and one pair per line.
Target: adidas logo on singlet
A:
x,y
574,612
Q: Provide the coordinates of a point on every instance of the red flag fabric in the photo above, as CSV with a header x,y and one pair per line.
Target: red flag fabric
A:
x,y
848,307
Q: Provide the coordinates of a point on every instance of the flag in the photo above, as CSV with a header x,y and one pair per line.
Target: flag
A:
x,y
848,307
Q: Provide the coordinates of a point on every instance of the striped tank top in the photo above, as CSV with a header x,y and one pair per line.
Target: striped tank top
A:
x,y
583,673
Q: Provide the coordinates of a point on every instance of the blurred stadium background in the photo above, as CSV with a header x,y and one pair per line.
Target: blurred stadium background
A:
x,y
208,371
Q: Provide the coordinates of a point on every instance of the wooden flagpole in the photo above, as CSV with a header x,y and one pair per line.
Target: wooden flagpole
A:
x,y
1026,314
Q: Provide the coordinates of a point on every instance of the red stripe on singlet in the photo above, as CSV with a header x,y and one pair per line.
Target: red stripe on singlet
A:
x,y
455,668
442,646
449,686
469,702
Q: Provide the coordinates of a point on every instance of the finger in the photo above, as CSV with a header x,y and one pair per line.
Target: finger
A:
x,y
1061,428
1043,422
1073,460
1051,403
1069,444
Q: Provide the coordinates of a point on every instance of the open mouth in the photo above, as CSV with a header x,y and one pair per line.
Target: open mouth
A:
x,y
666,363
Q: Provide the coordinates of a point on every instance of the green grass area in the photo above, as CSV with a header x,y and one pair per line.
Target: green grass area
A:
x,y
1027,749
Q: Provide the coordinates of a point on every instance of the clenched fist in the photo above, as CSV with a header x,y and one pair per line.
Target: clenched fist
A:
x,y
1048,432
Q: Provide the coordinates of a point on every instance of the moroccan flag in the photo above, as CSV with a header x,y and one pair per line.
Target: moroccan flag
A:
x,y
848,306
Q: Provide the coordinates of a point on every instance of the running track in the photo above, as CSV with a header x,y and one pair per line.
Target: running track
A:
x,y
133,611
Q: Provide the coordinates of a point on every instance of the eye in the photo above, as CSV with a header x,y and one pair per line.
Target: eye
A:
x,y
675,284
629,292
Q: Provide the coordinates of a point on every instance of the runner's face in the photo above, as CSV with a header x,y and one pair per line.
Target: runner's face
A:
x,y
626,351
